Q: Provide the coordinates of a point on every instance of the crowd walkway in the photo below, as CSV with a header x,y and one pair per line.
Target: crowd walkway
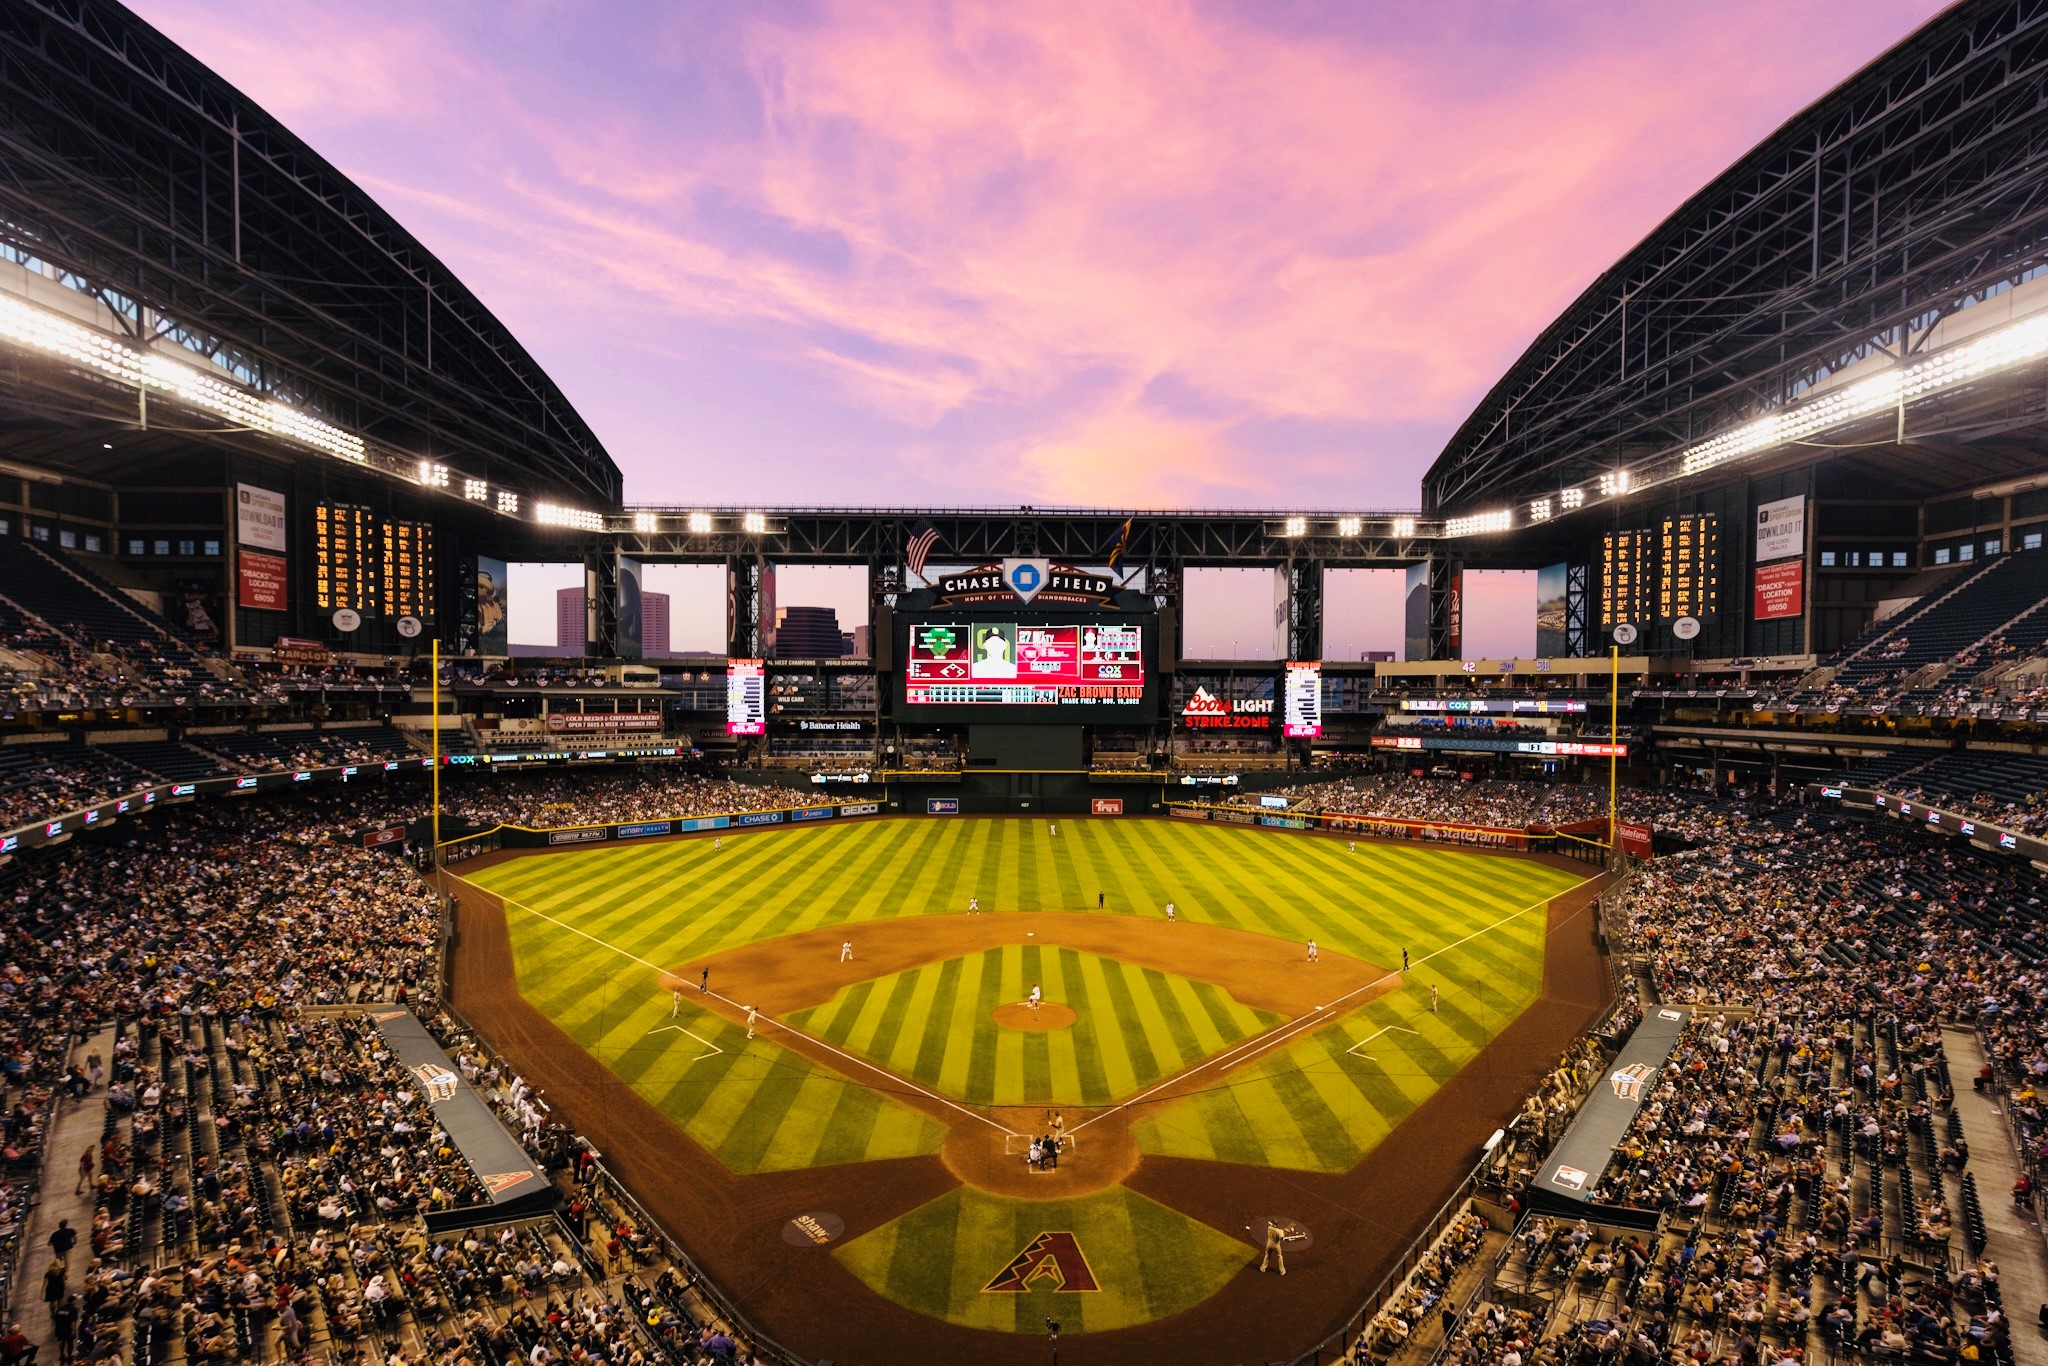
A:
x,y
2014,1238
75,1127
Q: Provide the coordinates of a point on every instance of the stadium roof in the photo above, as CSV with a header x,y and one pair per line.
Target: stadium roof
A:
x,y
181,215
1851,240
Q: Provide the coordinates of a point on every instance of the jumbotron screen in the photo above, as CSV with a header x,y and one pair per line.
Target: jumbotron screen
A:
x,y
1027,667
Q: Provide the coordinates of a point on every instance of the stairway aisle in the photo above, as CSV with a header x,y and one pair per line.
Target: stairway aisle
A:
x,y
2014,1241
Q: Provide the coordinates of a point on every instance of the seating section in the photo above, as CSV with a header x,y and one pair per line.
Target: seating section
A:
x,y
2008,789
39,780
168,760
312,748
1879,771
2002,590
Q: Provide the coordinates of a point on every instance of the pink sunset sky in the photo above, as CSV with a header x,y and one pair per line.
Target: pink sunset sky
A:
x,y
1149,253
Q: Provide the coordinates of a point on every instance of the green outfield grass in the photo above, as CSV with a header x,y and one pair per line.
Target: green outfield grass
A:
x,y
593,930
1149,1261
1132,1026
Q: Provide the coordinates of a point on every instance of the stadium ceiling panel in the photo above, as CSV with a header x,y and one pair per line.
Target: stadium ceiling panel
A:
x,y
1913,191
135,175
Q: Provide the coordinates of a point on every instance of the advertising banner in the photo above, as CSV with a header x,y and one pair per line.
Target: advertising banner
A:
x,y
761,818
492,632
259,518
942,806
1780,529
1635,839
260,581
1493,837
860,809
812,813
1552,600
590,836
1106,806
578,721
390,834
635,831
684,827
1780,590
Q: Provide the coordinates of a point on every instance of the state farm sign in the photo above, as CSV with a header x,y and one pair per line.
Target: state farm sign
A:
x,y
1206,711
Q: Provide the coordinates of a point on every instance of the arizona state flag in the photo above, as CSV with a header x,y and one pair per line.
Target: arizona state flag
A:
x,y
1123,542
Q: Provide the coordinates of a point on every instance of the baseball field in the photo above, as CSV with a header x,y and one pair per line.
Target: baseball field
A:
x,y
841,1016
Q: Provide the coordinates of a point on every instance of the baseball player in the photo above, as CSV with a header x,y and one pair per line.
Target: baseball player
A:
x,y
1036,996
752,1014
1314,954
845,950
1169,912
1277,1238
675,1003
1432,998
974,905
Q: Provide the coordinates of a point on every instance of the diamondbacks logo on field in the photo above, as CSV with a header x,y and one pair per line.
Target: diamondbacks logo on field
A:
x,y
1628,1081
1050,1257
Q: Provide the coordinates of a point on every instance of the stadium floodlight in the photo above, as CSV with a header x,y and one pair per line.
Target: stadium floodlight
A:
x,y
700,524
554,514
1539,510
2000,349
432,475
1613,482
508,503
645,521
1350,526
41,330
1295,526
1478,522
1571,498
754,523
476,490
1404,527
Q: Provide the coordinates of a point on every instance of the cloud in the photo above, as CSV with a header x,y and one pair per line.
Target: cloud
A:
x,y
977,236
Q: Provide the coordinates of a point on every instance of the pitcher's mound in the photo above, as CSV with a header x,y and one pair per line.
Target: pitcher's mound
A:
x,y
1049,1016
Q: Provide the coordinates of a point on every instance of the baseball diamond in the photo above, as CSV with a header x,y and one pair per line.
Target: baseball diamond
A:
x,y
892,1027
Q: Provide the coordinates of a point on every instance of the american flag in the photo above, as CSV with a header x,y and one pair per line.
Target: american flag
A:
x,y
923,536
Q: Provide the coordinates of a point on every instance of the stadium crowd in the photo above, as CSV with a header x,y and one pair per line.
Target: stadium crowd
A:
x,y
603,796
1401,796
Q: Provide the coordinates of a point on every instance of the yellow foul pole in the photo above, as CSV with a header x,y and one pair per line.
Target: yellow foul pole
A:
x,y
1613,745
436,661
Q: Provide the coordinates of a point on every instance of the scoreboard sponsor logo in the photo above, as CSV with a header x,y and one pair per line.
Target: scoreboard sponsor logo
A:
x,y
588,836
642,828
1042,582
860,809
760,818
1106,806
1206,711
942,806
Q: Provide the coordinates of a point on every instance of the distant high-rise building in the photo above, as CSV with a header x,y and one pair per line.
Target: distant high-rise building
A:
x,y
863,642
1378,656
808,633
570,621
570,635
653,625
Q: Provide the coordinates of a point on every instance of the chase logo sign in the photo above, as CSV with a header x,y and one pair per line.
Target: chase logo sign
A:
x,y
1052,1258
1628,1081
1025,577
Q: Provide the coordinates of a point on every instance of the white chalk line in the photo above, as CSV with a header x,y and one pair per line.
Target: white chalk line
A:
x,y
776,1024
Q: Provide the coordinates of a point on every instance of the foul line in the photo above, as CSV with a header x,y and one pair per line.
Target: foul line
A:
x,y
891,1077
1385,1029
1321,1015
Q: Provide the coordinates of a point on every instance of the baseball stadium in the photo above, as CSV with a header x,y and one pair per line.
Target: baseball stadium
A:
x,y
1006,962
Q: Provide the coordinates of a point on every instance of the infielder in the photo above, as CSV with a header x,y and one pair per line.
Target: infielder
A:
x,y
974,905
845,950
751,1014
1035,998
1314,954
1169,912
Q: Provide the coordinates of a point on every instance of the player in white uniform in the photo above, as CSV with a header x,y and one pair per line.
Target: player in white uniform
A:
x,y
846,950
752,1013
1035,998
974,905
1169,912
1314,954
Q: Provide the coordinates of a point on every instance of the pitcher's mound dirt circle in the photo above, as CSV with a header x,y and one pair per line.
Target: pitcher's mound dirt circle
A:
x,y
1049,1016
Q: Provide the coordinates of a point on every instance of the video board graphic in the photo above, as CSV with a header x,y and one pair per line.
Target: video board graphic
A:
x,y
1007,663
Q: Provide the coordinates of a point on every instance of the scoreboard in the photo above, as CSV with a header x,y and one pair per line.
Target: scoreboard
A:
x,y
1689,581
371,564
345,557
1070,668
1627,565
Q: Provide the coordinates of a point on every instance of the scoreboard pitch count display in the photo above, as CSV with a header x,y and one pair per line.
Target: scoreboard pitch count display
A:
x,y
1092,667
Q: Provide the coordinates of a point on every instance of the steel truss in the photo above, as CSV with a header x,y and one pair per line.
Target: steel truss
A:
x,y
130,166
1911,191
